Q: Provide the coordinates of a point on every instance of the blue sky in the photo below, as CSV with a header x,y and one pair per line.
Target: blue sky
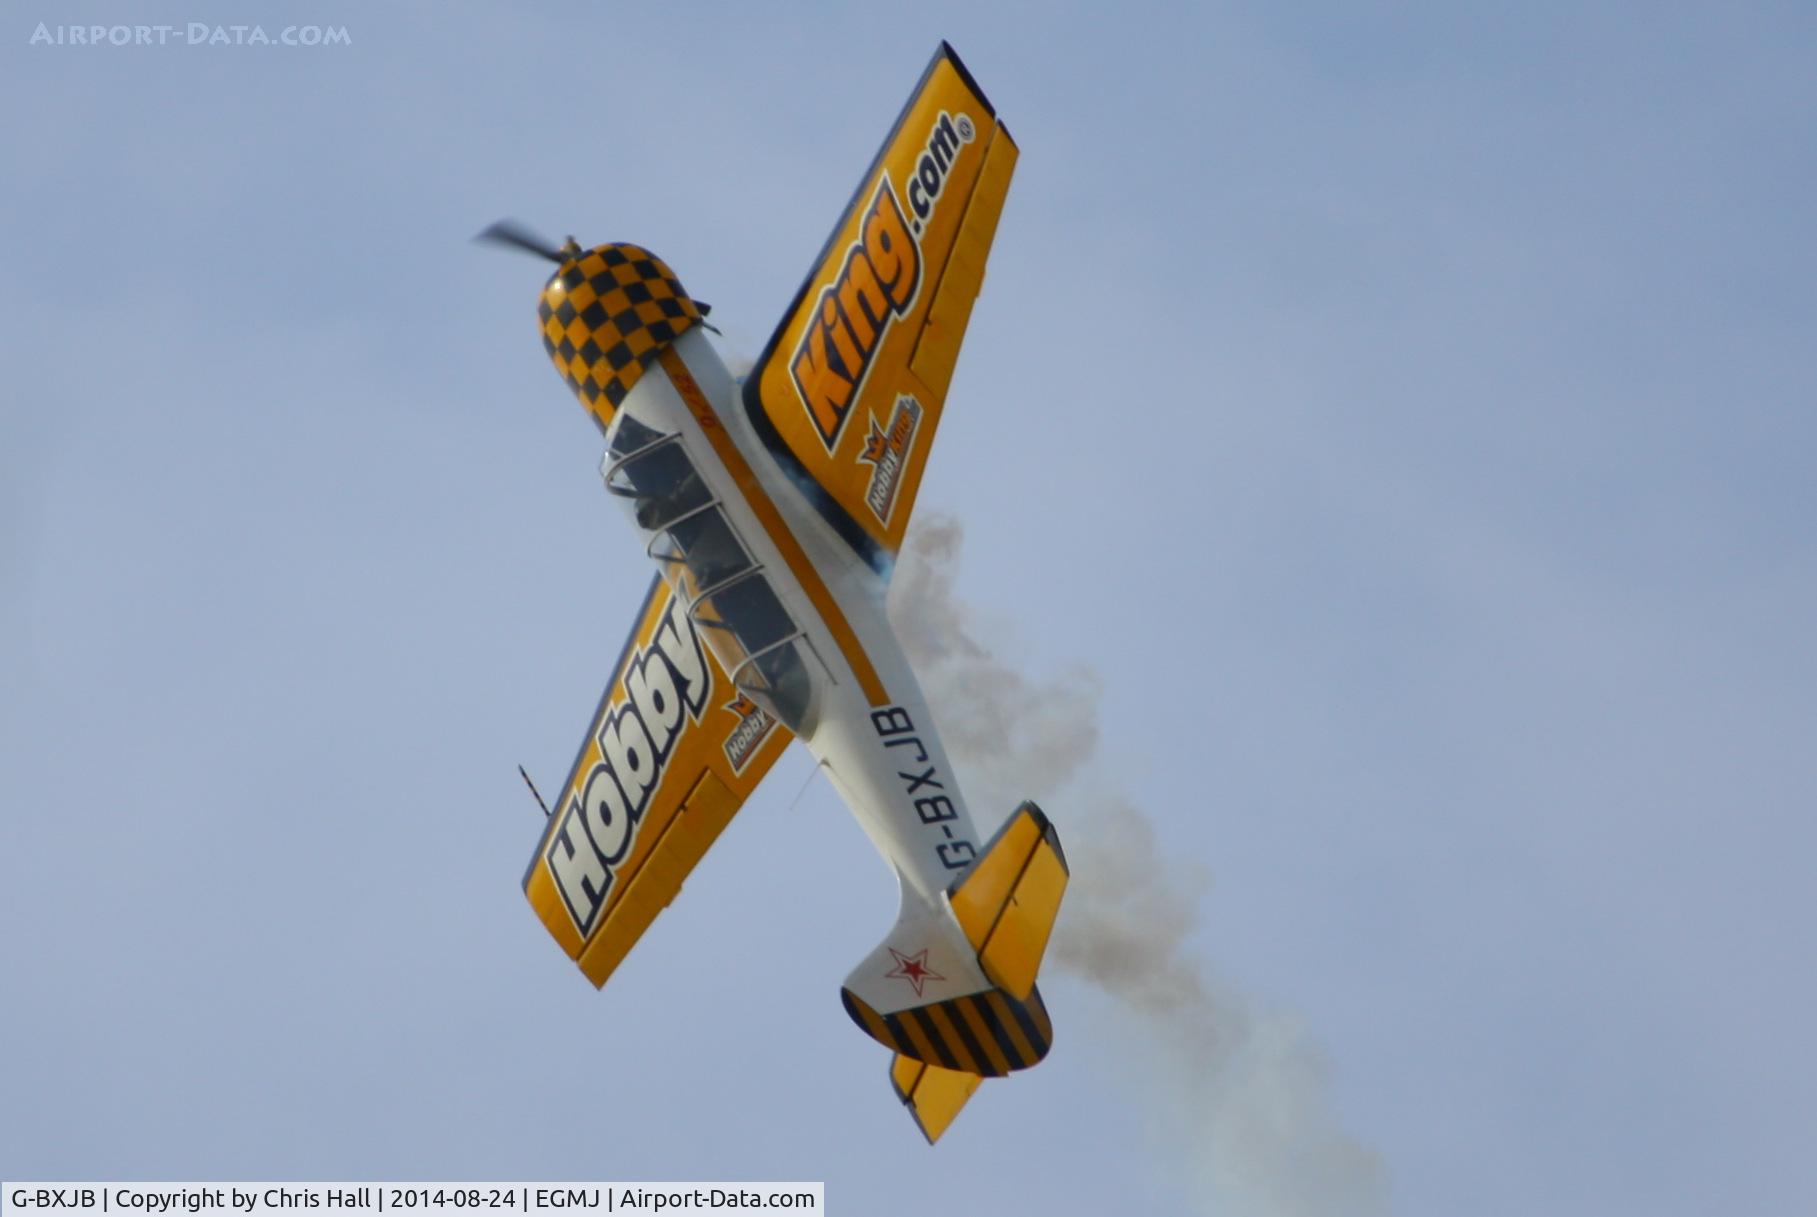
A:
x,y
1402,413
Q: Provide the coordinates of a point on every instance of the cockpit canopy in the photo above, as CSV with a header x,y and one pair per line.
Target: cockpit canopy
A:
x,y
732,604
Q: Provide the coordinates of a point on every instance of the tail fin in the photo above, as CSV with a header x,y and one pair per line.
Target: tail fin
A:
x,y
974,1007
933,1095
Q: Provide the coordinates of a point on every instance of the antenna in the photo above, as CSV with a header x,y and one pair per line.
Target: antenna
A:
x,y
533,791
818,765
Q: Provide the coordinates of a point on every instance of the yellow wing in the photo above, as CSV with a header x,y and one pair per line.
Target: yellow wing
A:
x,y
673,752
849,391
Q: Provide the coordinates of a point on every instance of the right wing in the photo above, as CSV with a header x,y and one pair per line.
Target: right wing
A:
x,y
673,752
850,389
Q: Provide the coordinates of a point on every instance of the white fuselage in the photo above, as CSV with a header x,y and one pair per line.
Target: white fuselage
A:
x,y
883,757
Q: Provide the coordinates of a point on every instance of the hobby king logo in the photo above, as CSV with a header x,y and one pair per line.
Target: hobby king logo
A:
x,y
661,681
887,453
754,723
876,284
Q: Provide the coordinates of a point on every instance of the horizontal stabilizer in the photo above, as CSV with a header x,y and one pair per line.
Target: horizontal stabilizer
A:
x,y
933,1095
1007,900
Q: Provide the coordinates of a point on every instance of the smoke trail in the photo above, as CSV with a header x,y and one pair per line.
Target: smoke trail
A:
x,y
1244,1089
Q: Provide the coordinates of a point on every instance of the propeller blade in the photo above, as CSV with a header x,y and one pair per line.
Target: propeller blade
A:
x,y
515,235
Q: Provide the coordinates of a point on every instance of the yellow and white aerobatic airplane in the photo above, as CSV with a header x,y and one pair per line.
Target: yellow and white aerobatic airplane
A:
x,y
774,509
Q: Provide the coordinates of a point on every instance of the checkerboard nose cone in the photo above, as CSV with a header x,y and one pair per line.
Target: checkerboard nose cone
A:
x,y
606,315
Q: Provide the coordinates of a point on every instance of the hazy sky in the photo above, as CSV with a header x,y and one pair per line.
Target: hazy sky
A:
x,y
1402,412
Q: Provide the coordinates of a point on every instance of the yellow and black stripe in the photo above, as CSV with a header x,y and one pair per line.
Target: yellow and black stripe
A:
x,y
606,314
990,1034
778,529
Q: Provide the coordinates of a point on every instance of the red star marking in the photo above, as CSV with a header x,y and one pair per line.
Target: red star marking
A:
x,y
913,968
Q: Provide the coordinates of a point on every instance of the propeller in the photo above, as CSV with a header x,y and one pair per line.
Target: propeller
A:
x,y
515,235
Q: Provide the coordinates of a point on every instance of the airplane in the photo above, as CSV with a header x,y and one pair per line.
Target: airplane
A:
x,y
774,508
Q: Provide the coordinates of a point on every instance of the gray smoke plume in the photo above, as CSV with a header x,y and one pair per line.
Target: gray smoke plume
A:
x,y
1242,1090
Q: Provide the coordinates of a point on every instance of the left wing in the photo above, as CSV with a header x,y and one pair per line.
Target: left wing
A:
x,y
673,752
849,390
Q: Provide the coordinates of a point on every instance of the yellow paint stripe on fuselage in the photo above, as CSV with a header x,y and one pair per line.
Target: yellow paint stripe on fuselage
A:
x,y
780,534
